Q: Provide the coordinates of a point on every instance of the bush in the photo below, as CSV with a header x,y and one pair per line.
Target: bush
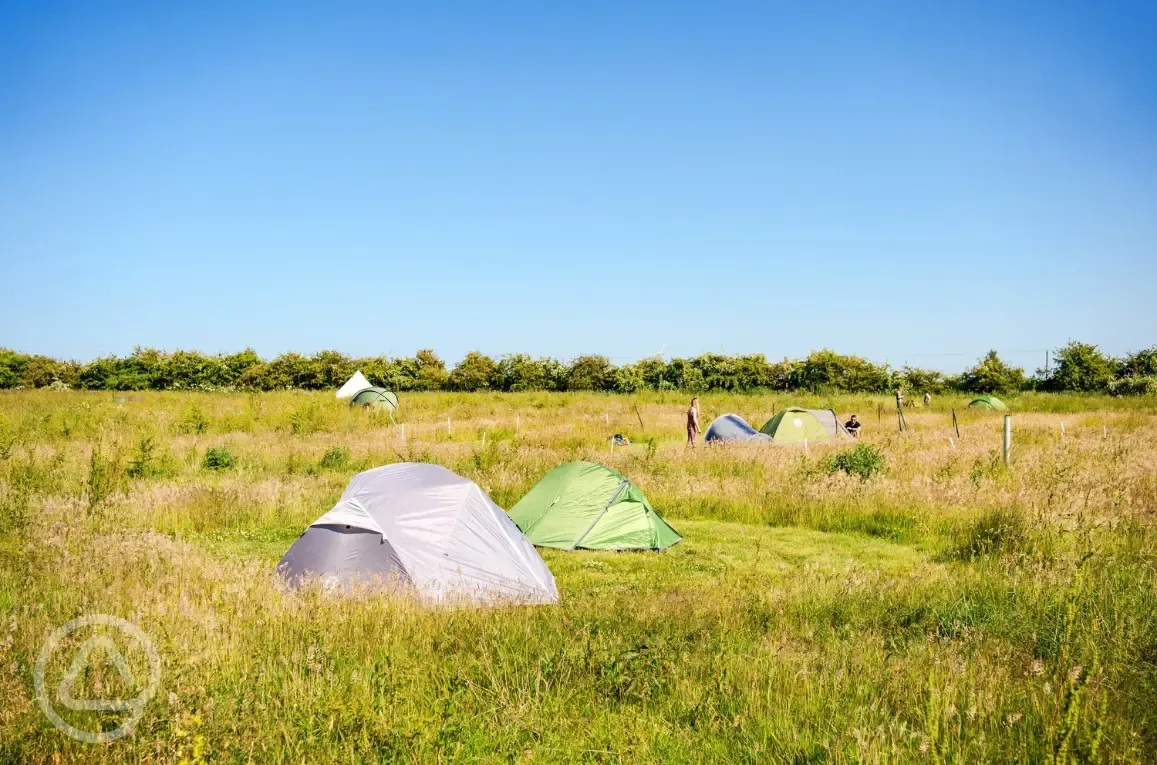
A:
x,y
991,375
1134,386
336,458
218,458
864,461
1081,368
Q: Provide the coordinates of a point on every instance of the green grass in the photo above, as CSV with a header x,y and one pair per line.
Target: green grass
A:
x,y
948,610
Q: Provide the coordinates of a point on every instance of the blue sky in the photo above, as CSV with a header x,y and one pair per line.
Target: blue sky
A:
x,y
912,182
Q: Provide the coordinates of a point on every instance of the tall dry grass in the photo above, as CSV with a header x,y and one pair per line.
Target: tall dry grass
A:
x,y
951,609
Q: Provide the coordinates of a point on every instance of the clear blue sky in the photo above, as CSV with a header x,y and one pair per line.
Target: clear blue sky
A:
x,y
886,179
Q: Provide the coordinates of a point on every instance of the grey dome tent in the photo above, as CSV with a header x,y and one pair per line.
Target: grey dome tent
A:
x,y
732,427
420,529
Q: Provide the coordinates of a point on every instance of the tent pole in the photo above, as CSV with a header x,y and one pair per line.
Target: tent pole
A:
x,y
618,491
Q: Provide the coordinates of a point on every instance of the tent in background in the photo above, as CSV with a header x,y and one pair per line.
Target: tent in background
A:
x,y
732,427
796,425
353,385
581,504
988,402
420,528
376,397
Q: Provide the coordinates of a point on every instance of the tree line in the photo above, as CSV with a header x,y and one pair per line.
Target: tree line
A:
x,y
1078,367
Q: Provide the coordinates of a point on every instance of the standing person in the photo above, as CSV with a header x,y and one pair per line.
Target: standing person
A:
x,y
927,398
693,422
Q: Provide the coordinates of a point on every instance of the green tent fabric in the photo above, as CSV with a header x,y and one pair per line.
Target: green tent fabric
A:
x,y
988,402
588,506
376,397
794,425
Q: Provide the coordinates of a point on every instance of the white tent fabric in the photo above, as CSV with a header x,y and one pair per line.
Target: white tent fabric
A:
x,y
353,385
452,541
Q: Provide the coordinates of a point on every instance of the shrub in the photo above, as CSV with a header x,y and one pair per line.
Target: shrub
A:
x,y
218,458
991,375
1082,368
336,458
864,461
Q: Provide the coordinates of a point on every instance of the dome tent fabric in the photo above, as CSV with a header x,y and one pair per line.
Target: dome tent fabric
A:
x,y
589,506
423,529
376,397
732,427
351,386
795,425
988,402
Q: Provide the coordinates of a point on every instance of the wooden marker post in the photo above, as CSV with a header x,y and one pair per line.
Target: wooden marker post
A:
x,y
641,425
1007,437
955,423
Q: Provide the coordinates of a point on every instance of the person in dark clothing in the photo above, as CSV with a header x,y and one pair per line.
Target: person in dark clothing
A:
x,y
853,426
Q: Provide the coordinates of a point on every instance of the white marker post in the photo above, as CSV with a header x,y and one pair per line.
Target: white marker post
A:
x,y
952,443
449,427
1062,432
805,446
1007,437
612,444
403,431
484,439
516,418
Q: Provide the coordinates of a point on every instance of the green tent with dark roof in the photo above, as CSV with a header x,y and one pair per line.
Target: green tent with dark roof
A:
x,y
588,506
379,398
794,425
988,402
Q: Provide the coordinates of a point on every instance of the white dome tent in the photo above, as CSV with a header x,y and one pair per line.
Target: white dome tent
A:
x,y
421,528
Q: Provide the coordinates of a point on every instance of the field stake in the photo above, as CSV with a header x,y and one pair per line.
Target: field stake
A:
x,y
612,444
449,427
1007,437
955,424
516,418
484,439
952,443
641,425
1062,432
607,415
1104,431
805,447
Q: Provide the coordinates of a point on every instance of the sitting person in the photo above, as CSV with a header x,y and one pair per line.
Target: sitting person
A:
x,y
853,426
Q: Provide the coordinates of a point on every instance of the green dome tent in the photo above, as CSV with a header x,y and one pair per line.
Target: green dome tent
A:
x,y
581,504
794,425
988,402
379,398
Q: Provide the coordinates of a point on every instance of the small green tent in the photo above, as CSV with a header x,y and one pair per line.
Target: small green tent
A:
x,y
794,425
988,402
581,504
379,398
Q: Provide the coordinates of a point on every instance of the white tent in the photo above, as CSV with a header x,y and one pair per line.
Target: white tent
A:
x,y
356,383
420,527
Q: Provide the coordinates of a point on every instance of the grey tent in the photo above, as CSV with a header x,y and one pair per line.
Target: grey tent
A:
x,y
732,427
422,529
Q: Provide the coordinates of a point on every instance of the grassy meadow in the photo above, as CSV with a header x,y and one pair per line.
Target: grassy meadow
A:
x,y
948,610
